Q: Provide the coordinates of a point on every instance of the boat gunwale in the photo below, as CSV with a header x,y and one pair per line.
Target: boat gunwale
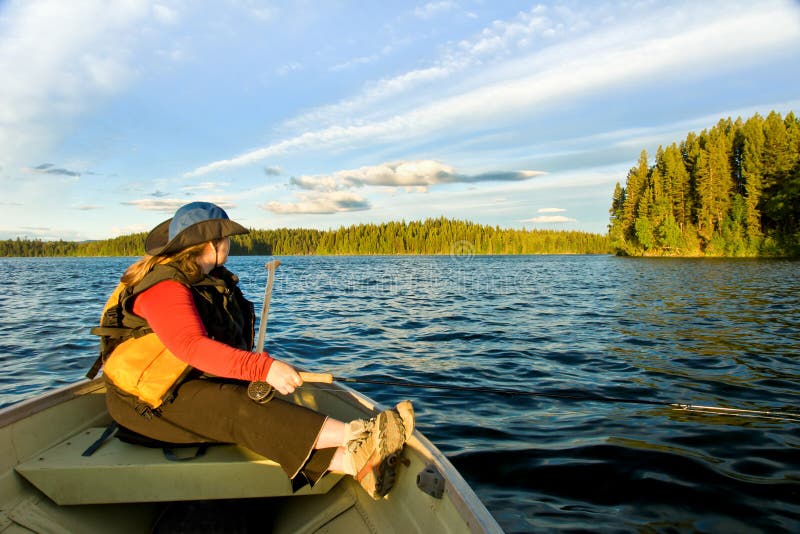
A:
x,y
47,399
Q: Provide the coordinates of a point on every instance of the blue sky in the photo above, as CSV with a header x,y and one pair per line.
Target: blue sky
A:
x,y
322,114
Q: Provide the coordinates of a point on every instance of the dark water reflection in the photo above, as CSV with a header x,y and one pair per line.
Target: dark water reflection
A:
x,y
714,332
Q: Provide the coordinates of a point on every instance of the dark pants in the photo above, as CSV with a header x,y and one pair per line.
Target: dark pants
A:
x,y
219,411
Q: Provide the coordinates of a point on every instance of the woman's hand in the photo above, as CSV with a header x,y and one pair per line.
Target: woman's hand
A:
x,y
283,377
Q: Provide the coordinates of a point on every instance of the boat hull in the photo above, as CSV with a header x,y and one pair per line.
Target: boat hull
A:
x,y
46,487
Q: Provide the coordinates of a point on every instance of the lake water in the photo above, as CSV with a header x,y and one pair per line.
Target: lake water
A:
x,y
712,332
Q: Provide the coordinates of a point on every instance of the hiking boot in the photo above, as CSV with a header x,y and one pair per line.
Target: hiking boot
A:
x,y
372,452
359,428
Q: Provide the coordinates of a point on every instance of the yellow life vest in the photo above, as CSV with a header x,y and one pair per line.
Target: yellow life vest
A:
x,y
145,368
140,364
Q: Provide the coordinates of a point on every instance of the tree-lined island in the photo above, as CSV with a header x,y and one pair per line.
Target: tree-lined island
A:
x,y
733,190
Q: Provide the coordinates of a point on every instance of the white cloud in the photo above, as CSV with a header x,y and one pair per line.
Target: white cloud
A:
x,y
106,74
264,13
355,62
412,175
165,205
206,186
521,32
550,219
165,14
176,53
598,61
256,9
550,210
58,59
431,9
454,60
170,205
320,203
317,183
288,68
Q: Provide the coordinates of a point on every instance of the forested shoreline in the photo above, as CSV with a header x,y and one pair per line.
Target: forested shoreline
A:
x,y
733,190
432,236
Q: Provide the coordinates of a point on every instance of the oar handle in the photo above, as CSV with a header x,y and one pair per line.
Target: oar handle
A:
x,y
320,378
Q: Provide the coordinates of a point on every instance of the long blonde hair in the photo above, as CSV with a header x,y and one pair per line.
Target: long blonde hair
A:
x,y
185,260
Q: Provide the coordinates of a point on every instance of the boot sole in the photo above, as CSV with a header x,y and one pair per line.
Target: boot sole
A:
x,y
406,412
387,472
378,479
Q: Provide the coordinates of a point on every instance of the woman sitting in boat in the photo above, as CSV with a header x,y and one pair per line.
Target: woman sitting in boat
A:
x,y
176,346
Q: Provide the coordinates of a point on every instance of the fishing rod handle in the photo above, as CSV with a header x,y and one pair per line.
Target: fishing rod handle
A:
x,y
320,378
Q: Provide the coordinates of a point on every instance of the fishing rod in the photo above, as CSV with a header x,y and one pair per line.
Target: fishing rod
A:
x,y
327,378
271,266
260,391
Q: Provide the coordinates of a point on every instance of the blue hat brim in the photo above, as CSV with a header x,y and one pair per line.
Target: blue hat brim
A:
x,y
158,243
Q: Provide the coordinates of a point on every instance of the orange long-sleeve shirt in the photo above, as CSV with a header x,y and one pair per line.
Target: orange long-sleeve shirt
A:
x,y
169,309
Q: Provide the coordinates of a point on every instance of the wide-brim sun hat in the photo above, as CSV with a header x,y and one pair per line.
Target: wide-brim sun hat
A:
x,y
193,223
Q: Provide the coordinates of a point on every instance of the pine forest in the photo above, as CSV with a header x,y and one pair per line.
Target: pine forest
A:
x,y
733,190
433,236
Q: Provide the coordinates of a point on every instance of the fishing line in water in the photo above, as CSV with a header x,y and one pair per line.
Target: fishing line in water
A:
x,y
587,397
739,412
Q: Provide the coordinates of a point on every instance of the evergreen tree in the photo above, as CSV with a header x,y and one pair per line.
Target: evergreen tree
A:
x,y
751,142
634,188
732,190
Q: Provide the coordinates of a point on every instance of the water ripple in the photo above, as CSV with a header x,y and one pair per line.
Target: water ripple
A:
x,y
718,332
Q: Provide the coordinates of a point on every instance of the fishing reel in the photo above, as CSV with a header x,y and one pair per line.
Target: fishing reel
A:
x,y
260,392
